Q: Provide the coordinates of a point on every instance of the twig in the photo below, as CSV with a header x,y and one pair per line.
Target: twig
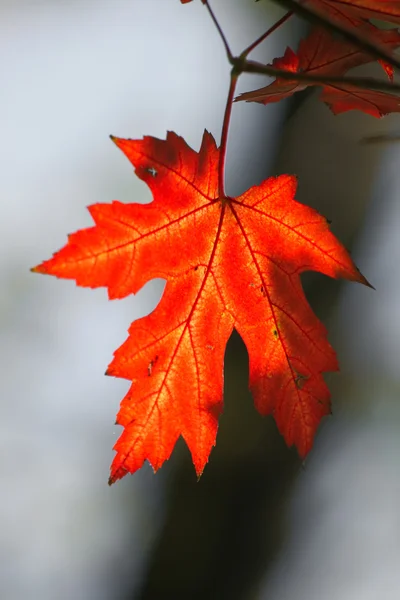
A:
x,y
221,33
264,36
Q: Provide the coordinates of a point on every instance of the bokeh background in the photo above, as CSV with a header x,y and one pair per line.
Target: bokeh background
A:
x,y
259,524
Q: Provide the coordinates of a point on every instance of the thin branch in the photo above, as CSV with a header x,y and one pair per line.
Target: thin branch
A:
x,y
352,35
264,36
219,29
382,138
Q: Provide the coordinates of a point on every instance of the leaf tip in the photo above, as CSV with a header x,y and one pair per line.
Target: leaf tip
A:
x,y
117,473
110,371
38,269
365,281
368,284
199,468
115,139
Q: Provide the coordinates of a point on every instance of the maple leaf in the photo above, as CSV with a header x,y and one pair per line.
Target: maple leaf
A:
x,y
229,263
352,16
346,10
344,98
321,54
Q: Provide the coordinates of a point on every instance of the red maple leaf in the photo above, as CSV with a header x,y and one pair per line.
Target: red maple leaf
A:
x,y
229,263
320,54
353,15
346,10
344,98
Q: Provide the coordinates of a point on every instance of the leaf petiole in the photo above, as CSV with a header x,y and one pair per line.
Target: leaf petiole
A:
x,y
225,130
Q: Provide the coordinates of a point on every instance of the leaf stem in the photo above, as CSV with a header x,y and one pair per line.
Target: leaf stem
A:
x,y
224,134
235,72
264,36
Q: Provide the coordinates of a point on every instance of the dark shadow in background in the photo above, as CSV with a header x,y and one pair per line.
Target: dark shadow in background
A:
x,y
219,531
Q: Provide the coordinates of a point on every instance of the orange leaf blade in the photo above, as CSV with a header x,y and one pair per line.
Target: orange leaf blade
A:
x,y
229,263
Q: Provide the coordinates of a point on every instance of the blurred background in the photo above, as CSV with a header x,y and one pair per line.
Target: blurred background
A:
x,y
259,524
